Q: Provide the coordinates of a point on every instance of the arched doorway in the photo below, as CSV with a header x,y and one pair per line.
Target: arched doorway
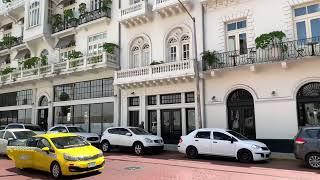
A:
x,y
308,104
43,113
241,116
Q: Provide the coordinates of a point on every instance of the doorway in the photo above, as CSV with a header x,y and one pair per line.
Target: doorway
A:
x,y
171,126
43,118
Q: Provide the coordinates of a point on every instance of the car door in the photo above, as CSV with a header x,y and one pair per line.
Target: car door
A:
x,y
222,145
113,136
124,139
41,159
22,156
203,142
3,143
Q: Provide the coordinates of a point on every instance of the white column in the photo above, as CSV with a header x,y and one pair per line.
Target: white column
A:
x,y
143,111
50,110
34,106
158,117
124,104
183,121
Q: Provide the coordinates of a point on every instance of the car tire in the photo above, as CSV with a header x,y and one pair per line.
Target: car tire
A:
x,y
192,152
105,146
138,148
56,170
313,160
245,156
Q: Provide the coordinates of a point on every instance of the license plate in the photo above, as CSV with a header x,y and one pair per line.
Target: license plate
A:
x,y
91,165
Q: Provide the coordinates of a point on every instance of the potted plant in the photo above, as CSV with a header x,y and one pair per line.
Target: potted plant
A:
x,y
31,62
272,42
210,58
69,18
74,55
56,22
110,47
9,41
82,8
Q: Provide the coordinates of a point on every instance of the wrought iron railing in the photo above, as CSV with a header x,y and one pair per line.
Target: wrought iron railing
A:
x,y
280,51
94,15
16,43
66,25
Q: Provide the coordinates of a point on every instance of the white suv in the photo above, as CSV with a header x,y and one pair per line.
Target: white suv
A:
x,y
222,142
130,137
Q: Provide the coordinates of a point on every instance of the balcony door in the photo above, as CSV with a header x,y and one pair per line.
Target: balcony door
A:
x,y
237,37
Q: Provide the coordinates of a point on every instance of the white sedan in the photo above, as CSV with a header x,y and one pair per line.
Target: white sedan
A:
x,y
222,142
16,136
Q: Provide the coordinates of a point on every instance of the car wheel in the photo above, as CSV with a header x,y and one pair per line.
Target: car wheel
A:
x,y
105,146
138,148
192,152
56,170
313,160
245,156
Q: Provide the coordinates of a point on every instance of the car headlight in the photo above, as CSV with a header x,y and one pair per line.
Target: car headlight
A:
x,y
148,140
256,147
70,158
100,154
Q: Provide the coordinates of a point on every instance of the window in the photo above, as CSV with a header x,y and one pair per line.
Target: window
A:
x,y
42,143
178,44
173,49
16,98
191,121
145,55
34,14
152,100
16,116
134,1
313,133
152,122
203,135
123,131
113,131
8,135
185,47
63,114
220,136
134,118
237,36
307,21
135,57
190,97
134,101
170,99
43,101
140,52
15,126
60,129
24,116
95,43
96,88
1,134
107,87
95,4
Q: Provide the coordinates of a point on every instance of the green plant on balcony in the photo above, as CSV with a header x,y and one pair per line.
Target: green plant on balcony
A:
x,y
110,47
6,71
56,21
6,1
44,60
269,39
74,55
94,59
106,5
9,41
210,57
156,63
82,8
68,15
31,62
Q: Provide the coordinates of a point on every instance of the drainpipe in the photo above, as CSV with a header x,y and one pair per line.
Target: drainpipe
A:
x,y
203,97
119,59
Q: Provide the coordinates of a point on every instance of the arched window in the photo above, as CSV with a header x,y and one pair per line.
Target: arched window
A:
x,y
34,13
44,53
240,105
140,52
43,101
308,104
179,44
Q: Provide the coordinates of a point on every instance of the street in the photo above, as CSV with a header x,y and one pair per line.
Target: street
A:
x,y
174,166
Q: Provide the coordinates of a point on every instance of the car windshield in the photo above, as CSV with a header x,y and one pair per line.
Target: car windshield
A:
x,y
24,134
139,131
69,142
33,128
237,135
76,129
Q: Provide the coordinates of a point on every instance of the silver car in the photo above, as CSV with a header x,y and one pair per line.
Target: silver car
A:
x,y
307,146
93,138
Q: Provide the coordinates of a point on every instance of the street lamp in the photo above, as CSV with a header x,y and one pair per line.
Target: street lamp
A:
x,y
196,70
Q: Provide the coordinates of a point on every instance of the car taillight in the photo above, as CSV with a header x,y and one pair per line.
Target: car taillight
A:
x,y
300,141
180,140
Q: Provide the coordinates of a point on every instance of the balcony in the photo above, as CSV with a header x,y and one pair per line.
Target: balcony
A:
x,y
96,16
17,42
5,8
155,74
103,60
282,52
65,27
166,8
136,14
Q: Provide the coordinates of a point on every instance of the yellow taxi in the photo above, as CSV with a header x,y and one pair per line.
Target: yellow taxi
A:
x,y
61,154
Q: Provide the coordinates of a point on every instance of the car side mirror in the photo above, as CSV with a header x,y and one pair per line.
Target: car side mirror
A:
x,y
128,134
46,149
232,140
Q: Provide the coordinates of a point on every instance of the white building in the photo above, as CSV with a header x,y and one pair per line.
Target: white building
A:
x,y
265,91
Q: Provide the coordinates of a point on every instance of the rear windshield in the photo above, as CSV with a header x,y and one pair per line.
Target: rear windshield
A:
x,y
76,129
33,128
24,134
14,126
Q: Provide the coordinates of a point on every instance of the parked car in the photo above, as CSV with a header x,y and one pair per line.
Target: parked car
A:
x,y
35,128
93,138
134,138
14,137
307,146
222,142
61,154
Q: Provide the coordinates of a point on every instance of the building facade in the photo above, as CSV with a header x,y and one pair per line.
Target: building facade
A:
x,y
258,70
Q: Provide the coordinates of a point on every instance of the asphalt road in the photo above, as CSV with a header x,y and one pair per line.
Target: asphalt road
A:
x,y
174,166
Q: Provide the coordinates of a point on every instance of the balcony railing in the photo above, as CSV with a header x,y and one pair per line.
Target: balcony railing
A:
x,y
16,43
11,5
158,4
277,52
155,72
68,66
85,18
94,15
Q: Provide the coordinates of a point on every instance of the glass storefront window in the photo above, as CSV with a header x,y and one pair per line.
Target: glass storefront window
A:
x,y
191,122
107,115
152,121
16,116
81,116
63,115
96,118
